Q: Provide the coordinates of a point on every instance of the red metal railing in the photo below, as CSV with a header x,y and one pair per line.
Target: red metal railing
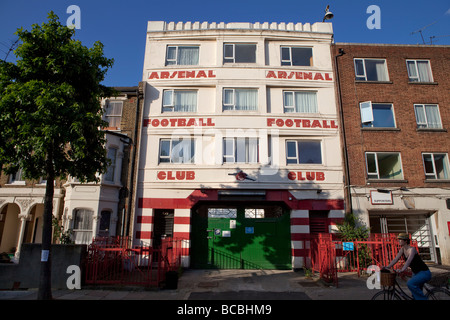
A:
x,y
113,261
327,255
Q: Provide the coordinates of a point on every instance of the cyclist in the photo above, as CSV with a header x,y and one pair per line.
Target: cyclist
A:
x,y
421,272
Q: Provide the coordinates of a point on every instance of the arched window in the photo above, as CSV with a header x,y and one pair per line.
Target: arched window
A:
x,y
82,226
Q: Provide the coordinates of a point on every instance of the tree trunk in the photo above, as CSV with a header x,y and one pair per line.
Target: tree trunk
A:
x,y
45,287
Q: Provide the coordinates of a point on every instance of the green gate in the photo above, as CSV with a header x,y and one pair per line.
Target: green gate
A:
x,y
241,237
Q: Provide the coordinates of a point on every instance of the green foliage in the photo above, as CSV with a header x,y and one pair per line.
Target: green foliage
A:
x,y
50,105
352,229
64,237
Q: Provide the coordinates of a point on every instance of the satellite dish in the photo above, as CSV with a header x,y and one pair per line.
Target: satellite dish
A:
x,y
328,14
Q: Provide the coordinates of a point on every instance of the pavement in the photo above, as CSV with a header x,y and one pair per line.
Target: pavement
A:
x,y
225,285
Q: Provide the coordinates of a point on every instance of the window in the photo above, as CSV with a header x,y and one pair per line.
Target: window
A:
x,y
296,56
228,213
427,116
384,165
371,70
177,150
111,155
179,101
182,55
254,213
82,226
240,150
113,113
239,53
377,115
16,178
436,165
419,71
303,152
300,101
105,221
240,99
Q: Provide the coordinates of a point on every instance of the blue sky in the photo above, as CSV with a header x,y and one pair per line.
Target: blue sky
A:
x,y
121,25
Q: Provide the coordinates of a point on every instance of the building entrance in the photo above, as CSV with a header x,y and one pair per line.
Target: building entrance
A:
x,y
418,225
249,236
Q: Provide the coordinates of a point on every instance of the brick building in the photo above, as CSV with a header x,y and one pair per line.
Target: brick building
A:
x,y
88,209
395,104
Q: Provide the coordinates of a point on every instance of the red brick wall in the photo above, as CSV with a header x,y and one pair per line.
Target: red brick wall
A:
x,y
406,139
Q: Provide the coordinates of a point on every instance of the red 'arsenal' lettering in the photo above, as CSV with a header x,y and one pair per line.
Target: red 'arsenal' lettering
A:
x,y
185,74
298,75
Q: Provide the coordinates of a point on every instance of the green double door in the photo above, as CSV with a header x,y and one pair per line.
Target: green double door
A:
x,y
241,237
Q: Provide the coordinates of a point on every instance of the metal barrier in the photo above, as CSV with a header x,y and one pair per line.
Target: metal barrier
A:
x,y
356,255
113,261
328,255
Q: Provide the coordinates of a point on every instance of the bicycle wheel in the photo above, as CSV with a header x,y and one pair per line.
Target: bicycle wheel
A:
x,y
386,295
438,294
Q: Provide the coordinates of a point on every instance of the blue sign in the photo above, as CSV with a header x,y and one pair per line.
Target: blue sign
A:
x,y
348,246
249,230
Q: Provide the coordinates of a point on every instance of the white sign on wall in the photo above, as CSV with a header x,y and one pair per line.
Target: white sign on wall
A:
x,y
381,197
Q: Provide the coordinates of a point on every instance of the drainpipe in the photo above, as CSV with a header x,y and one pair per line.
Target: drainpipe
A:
x,y
341,116
132,179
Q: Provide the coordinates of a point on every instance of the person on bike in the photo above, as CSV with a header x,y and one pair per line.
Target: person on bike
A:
x,y
421,272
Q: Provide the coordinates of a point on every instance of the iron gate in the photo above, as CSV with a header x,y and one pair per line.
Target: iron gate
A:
x,y
328,256
113,261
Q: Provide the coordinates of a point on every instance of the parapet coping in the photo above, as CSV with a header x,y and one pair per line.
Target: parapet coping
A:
x,y
162,26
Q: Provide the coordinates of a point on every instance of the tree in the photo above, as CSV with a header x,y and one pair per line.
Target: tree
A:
x,y
50,115
352,229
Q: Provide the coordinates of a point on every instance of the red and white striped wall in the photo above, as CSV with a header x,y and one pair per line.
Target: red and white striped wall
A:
x,y
300,220
300,231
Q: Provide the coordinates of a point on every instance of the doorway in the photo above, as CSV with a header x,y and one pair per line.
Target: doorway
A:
x,y
250,236
163,225
418,225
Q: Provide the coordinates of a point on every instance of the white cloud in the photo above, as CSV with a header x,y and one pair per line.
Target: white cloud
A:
x,y
448,12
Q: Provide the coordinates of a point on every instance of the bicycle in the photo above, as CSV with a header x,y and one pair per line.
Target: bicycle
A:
x,y
393,291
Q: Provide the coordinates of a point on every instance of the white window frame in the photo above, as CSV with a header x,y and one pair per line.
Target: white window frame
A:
x,y
364,75
171,105
294,107
169,157
87,234
426,125
232,105
417,77
233,158
297,152
113,116
290,56
233,57
433,175
175,60
377,171
366,110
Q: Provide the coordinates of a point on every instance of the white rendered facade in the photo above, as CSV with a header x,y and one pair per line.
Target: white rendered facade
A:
x,y
257,98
